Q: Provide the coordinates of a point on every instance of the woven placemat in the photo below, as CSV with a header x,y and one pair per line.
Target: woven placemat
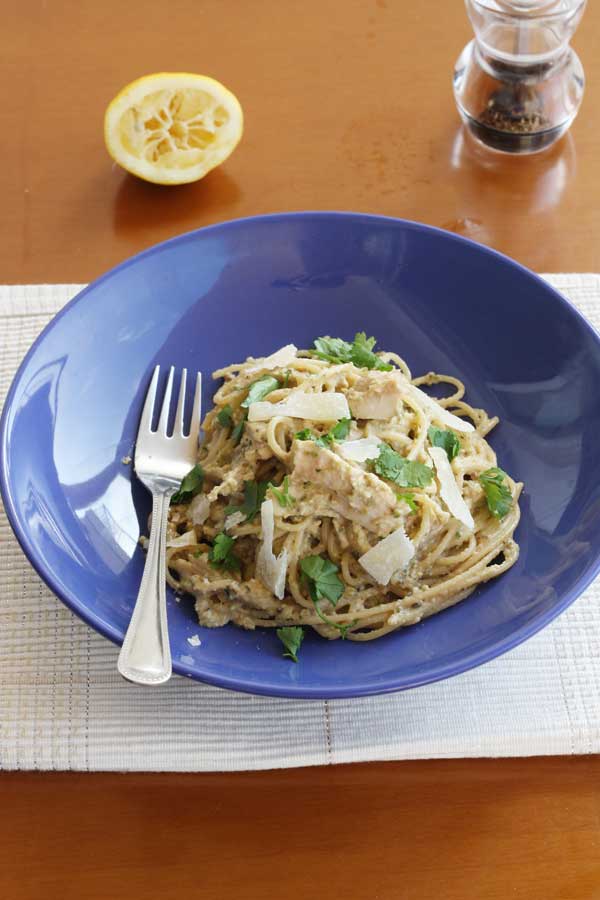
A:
x,y
63,706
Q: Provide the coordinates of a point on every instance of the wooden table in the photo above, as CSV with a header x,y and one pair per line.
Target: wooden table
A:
x,y
348,105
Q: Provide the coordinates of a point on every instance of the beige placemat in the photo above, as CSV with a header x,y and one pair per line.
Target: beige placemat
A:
x,y
63,706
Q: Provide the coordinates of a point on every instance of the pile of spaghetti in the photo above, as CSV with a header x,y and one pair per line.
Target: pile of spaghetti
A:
x,y
333,490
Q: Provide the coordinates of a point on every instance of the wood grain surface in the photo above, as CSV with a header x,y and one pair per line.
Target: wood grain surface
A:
x,y
348,105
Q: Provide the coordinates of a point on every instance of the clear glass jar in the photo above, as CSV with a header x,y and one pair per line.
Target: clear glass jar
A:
x,y
518,85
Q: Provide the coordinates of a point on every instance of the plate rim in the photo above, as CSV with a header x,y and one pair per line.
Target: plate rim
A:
x,y
265,687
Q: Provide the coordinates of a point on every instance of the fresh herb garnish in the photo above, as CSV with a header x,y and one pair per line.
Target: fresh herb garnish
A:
x,y
259,389
254,494
286,377
497,494
446,439
324,583
190,486
281,492
359,352
339,431
221,554
409,499
291,637
224,416
403,472
323,580
236,434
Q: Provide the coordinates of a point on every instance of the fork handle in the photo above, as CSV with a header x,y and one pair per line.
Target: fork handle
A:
x,y
145,656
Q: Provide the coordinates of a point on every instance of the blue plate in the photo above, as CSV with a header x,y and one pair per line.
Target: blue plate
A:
x,y
214,296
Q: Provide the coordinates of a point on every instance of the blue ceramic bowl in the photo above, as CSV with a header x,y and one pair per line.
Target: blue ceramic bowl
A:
x,y
247,287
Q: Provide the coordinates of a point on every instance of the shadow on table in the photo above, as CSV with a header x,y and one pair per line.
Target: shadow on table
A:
x,y
141,206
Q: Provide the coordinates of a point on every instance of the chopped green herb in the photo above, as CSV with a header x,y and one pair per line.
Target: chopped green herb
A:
x,y
221,554
337,433
403,472
497,494
224,416
281,493
254,494
286,377
236,434
409,499
359,352
291,637
340,431
259,389
446,439
322,577
190,486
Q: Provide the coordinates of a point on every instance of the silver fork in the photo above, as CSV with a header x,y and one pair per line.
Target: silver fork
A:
x,y
161,462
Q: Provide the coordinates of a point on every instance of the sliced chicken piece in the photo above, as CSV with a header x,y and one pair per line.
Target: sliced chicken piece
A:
x,y
352,492
375,395
378,395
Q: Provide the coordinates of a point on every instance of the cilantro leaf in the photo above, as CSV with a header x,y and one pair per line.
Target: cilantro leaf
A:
x,y
283,497
190,486
221,555
322,577
363,356
409,499
359,352
403,472
497,494
291,637
254,494
259,389
236,434
304,435
446,439
324,582
337,433
224,416
340,431
333,350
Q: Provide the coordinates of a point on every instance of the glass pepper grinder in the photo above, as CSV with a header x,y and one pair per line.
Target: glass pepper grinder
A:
x,y
518,84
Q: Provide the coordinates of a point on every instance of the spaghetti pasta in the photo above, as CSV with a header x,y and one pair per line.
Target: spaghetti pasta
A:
x,y
330,506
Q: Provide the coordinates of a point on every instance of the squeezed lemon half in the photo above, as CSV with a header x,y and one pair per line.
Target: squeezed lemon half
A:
x,y
172,127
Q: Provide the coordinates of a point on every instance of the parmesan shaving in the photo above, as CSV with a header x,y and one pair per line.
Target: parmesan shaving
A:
x,y
449,491
184,540
277,360
199,509
361,450
234,519
270,569
438,413
328,406
388,557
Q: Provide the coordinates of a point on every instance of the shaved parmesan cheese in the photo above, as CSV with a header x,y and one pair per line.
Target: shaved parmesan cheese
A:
x,y
270,569
449,491
199,509
234,519
360,451
389,556
282,357
184,540
325,407
438,413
